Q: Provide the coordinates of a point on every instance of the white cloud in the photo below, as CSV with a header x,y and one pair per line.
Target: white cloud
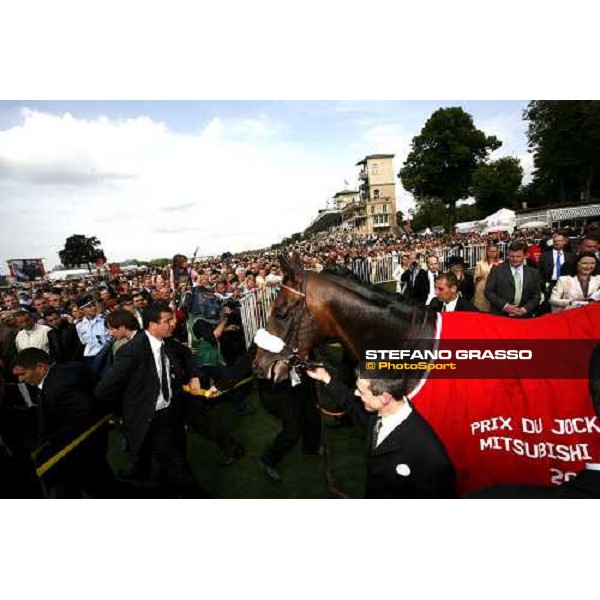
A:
x,y
146,191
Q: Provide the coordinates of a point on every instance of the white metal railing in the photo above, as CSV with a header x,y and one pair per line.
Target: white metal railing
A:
x,y
380,270
254,309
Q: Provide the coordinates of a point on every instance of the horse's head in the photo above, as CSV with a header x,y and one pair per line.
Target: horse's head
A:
x,y
290,322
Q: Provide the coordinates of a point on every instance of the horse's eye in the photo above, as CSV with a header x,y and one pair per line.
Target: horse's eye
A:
x,y
281,313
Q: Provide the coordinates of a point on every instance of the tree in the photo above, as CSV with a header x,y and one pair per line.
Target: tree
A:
x,y
564,137
444,156
467,212
159,262
81,250
430,212
400,218
496,185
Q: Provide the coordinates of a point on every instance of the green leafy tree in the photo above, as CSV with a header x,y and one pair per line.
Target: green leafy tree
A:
x,y
430,212
467,212
496,185
81,250
444,156
400,218
159,262
564,137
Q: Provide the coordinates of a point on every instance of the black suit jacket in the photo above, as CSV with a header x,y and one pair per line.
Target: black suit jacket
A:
x,y
500,288
133,378
461,305
546,265
411,462
64,343
66,403
419,290
466,286
586,484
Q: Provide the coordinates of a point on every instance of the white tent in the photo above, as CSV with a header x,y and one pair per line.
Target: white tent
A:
x,y
466,227
533,225
502,220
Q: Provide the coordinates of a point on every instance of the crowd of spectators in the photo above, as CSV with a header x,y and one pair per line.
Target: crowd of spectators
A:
x,y
88,321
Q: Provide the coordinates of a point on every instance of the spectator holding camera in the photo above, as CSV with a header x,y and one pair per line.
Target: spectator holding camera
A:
x,y
207,330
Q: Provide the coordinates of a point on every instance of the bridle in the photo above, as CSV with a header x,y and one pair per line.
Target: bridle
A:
x,y
294,360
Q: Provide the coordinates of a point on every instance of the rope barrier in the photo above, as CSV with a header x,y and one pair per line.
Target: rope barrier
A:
x,y
209,394
69,448
45,467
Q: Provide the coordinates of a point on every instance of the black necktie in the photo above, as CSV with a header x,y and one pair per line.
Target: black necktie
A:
x,y
444,308
164,376
376,430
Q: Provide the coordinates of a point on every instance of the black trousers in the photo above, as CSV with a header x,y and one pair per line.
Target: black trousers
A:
x,y
295,407
84,469
165,442
199,416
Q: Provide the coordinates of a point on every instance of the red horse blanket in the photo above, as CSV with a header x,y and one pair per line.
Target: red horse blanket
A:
x,y
516,430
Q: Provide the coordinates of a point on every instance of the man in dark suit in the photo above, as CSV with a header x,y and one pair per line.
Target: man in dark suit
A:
x,y
448,299
556,262
512,288
63,339
148,374
420,284
405,457
65,410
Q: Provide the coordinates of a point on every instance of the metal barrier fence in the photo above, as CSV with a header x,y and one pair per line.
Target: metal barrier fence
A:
x,y
254,310
380,270
255,306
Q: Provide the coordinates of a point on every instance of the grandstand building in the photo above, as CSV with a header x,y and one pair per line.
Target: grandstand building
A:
x,y
369,210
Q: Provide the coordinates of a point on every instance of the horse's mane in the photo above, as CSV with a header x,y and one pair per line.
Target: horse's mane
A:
x,y
375,296
391,319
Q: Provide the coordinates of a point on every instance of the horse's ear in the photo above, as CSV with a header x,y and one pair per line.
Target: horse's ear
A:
x,y
295,262
287,269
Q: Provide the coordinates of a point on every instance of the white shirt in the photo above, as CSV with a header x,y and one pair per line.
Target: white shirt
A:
x,y
562,263
156,345
36,337
41,383
397,275
450,306
390,422
518,270
92,333
432,294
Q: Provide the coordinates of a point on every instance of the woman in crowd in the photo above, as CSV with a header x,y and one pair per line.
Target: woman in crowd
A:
x,y
482,270
572,291
181,273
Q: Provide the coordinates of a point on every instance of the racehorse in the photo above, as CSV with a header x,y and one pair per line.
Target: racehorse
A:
x,y
496,431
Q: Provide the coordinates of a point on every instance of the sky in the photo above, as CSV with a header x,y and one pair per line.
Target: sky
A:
x,y
151,179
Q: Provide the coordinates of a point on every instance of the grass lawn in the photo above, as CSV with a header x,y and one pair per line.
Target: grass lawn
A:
x,y
342,467
302,476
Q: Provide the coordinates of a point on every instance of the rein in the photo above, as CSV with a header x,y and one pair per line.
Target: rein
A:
x,y
291,289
